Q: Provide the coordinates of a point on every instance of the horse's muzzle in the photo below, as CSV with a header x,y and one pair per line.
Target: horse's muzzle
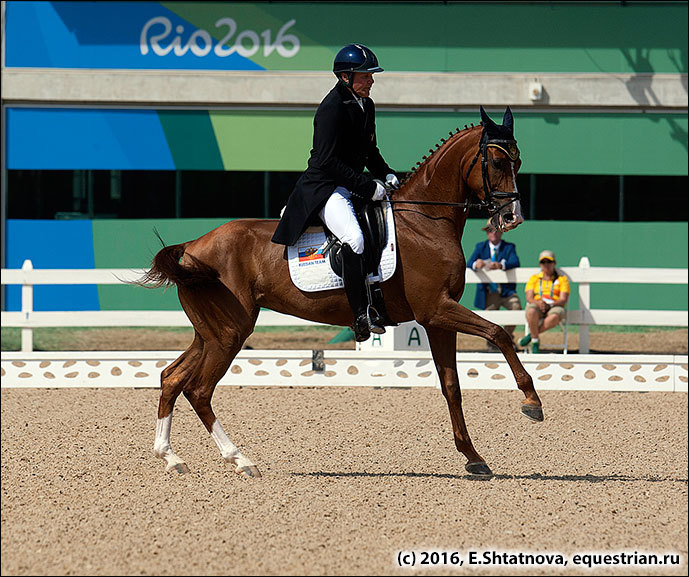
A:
x,y
509,221
510,218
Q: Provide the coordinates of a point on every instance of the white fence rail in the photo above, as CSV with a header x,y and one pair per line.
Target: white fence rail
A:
x,y
584,275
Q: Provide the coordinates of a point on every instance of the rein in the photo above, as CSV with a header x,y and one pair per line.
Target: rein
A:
x,y
440,203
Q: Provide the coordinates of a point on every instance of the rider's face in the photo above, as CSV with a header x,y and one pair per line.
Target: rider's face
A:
x,y
361,83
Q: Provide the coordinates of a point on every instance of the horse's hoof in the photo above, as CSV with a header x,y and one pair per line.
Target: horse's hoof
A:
x,y
533,412
180,468
250,472
479,469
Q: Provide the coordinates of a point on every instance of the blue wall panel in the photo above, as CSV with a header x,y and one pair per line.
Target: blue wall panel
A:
x,y
52,244
64,139
102,35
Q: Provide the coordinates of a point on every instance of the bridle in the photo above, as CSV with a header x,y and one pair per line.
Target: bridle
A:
x,y
509,147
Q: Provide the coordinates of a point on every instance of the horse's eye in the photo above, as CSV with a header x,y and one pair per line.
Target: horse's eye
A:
x,y
496,162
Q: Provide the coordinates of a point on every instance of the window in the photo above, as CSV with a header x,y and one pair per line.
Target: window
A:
x,y
55,194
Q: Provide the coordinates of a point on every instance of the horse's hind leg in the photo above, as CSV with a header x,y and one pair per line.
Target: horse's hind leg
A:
x,y
223,323
443,346
214,363
172,381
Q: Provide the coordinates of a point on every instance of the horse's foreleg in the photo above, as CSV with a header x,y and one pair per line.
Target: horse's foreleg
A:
x,y
443,346
215,362
452,316
172,381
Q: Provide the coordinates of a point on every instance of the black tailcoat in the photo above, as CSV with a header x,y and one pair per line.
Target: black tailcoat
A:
x,y
344,142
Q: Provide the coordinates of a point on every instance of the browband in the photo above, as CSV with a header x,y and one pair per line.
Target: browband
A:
x,y
511,151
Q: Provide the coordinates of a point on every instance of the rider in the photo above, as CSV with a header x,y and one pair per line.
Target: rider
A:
x,y
333,185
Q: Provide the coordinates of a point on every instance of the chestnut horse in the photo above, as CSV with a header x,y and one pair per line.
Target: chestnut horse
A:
x,y
227,275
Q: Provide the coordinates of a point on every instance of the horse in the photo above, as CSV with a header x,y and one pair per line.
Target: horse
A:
x,y
225,277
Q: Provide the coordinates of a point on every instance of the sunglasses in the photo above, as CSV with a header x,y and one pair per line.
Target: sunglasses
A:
x,y
546,261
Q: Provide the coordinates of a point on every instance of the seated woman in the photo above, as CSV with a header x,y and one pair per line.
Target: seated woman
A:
x,y
547,294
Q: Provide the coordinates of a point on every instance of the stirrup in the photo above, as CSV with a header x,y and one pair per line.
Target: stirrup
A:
x,y
375,321
383,320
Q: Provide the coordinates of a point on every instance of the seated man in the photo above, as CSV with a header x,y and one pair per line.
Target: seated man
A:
x,y
495,254
547,294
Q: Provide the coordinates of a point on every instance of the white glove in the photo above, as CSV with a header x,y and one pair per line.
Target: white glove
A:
x,y
392,181
380,192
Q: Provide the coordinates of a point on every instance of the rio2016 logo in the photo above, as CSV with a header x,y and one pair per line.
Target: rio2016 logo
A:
x,y
247,43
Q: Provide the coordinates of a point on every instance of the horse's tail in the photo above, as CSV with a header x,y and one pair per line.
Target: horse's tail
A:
x,y
167,271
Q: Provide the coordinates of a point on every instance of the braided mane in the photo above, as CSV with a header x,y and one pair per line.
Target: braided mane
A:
x,y
439,146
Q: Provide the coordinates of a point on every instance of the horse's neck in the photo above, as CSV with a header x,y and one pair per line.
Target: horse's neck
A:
x,y
439,178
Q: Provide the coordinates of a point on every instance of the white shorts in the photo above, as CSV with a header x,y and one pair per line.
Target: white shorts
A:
x,y
338,215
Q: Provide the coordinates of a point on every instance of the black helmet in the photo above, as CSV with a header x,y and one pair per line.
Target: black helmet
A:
x,y
356,58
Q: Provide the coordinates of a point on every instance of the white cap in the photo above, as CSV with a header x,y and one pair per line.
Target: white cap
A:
x,y
546,255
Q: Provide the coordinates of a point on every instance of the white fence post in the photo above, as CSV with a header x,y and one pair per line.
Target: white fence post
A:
x,y
27,309
585,307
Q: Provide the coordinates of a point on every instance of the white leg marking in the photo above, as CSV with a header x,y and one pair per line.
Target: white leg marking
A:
x,y
228,450
162,448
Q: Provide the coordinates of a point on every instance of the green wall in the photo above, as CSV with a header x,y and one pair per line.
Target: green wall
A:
x,y
607,37
132,244
608,244
551,143
491,37
263,139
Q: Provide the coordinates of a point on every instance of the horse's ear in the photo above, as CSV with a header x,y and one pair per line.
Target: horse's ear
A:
x,y
485,119
508,120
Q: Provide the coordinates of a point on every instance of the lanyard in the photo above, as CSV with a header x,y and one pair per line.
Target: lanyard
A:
x,y
552,288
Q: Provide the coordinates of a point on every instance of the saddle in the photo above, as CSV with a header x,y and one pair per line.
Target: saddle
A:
x,y
309,258
371,219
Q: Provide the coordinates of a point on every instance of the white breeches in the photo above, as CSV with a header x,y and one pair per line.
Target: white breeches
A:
x,y
338,215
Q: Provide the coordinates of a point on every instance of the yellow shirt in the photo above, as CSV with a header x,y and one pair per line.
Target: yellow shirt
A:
x,y
547,290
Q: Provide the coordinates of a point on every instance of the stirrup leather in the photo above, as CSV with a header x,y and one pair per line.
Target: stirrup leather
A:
x,y
376,322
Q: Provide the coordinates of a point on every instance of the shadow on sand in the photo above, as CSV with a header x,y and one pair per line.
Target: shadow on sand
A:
x,y
468,477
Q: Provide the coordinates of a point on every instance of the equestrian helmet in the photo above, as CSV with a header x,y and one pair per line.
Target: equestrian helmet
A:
x,y
356,58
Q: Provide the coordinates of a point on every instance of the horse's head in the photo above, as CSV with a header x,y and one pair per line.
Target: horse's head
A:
x,y
493,181
496,182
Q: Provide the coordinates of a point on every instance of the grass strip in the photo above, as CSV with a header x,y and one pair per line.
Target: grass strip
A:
x,y
69,338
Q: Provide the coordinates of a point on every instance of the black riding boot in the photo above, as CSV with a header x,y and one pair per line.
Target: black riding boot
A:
x,y
355,286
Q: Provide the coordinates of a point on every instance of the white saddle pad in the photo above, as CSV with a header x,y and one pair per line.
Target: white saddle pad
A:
x,y
311,271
